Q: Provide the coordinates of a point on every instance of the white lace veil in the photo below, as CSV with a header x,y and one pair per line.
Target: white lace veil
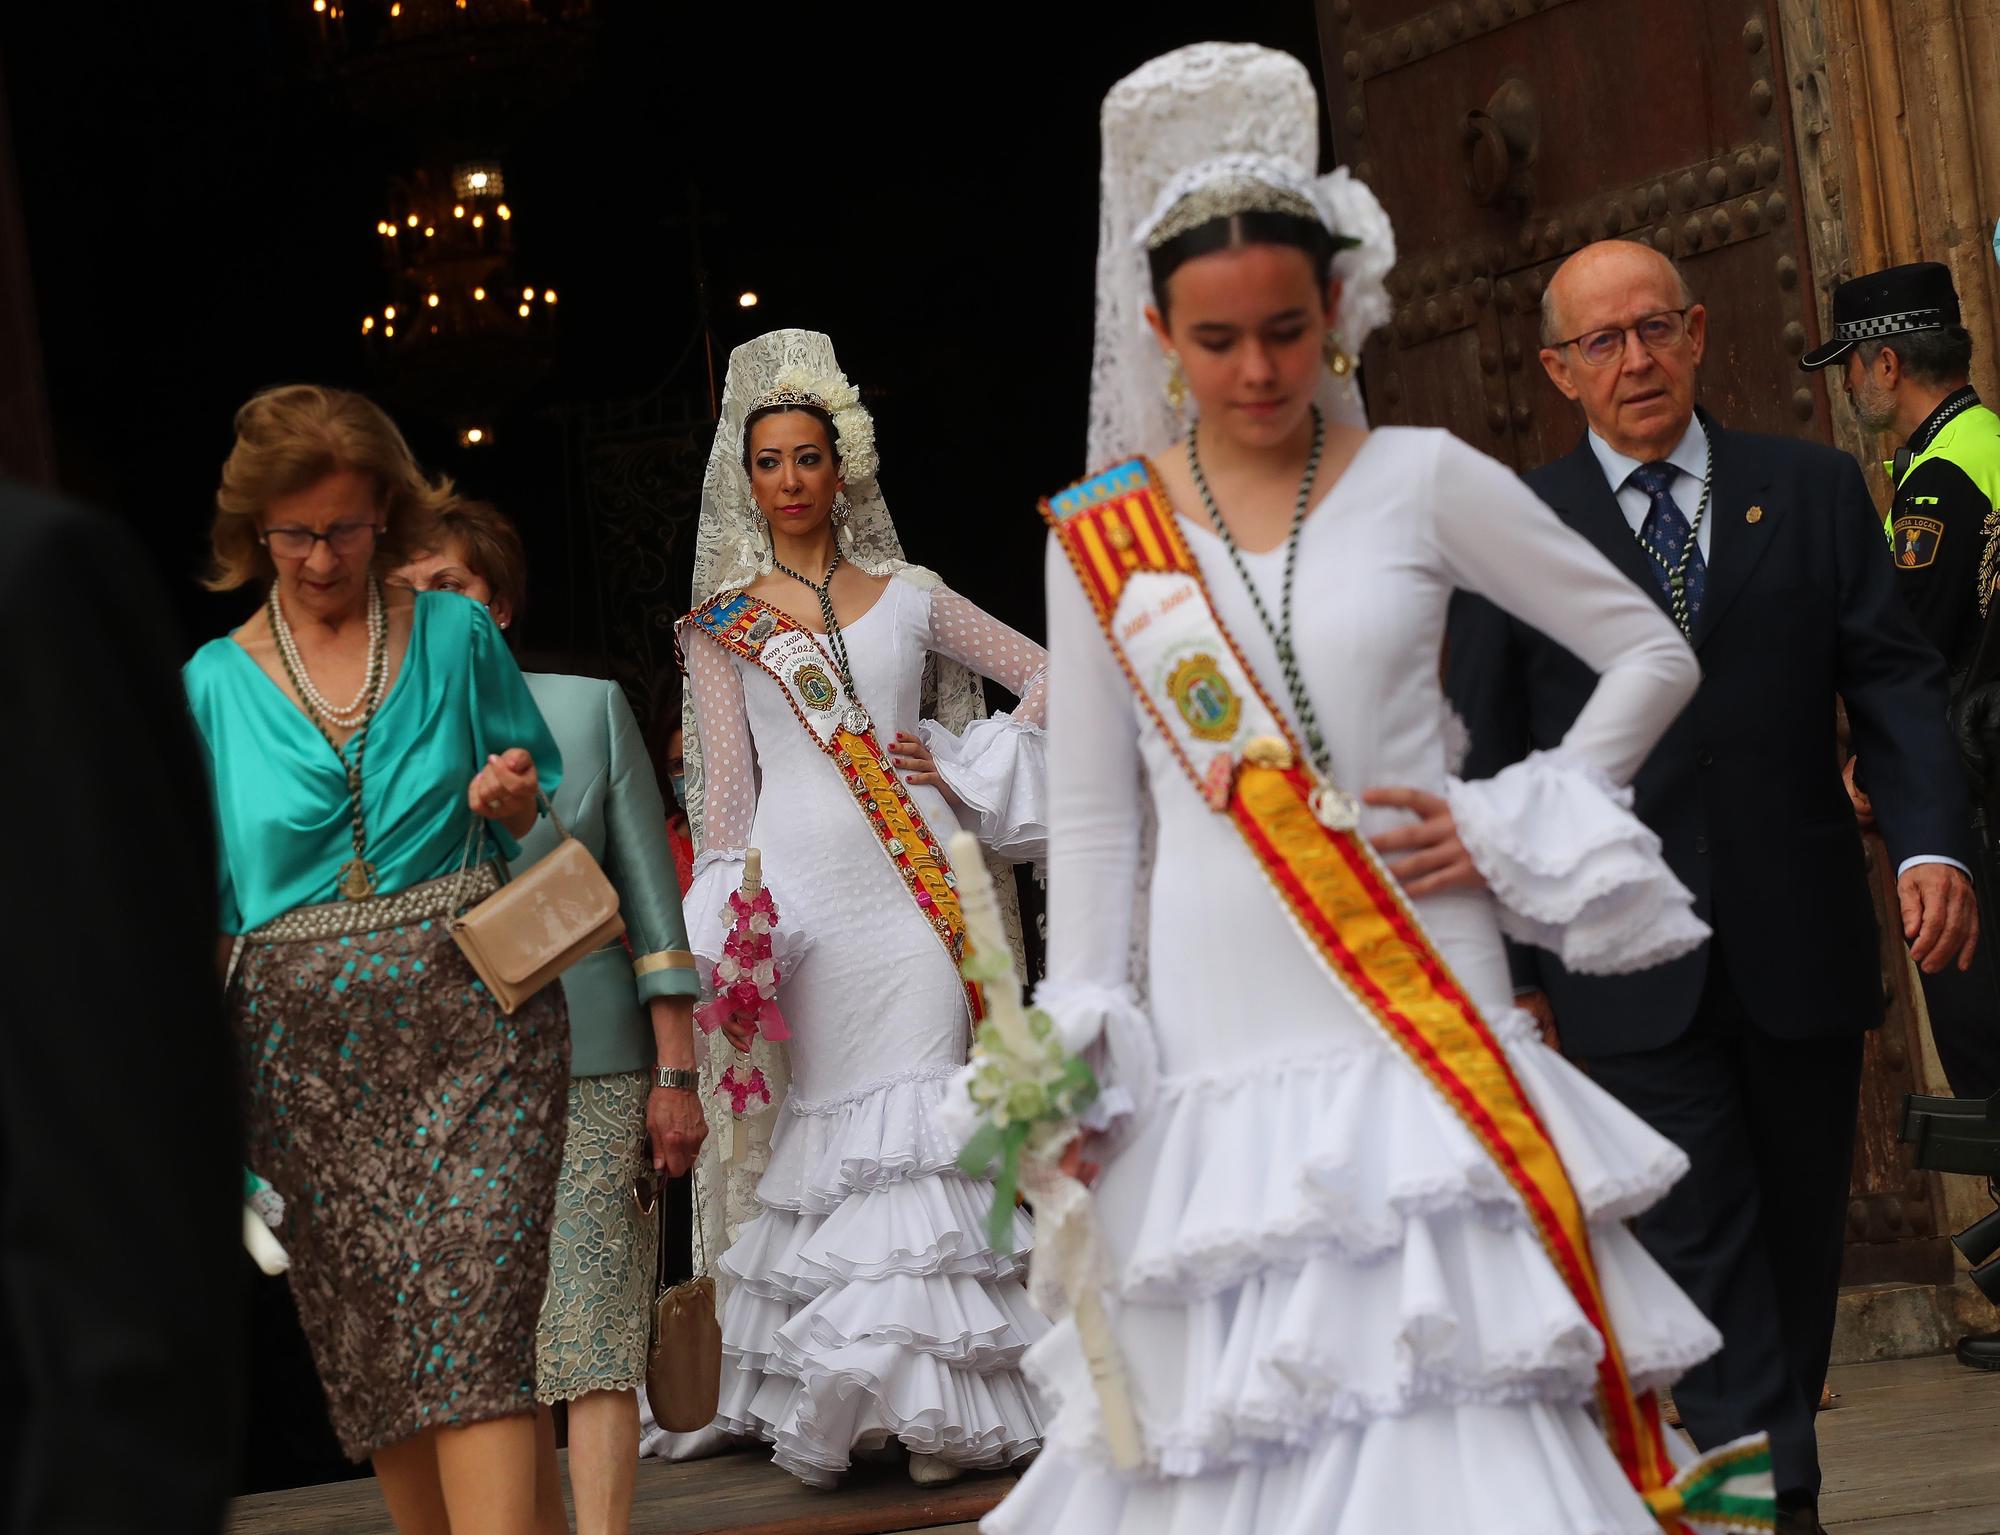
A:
x,y
732,548
1191,118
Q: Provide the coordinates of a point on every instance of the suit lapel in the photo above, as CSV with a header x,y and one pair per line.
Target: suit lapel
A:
x,y
1585,501
1739,486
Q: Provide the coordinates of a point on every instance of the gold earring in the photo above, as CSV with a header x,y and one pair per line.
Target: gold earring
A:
x,y
1176,382
1338,363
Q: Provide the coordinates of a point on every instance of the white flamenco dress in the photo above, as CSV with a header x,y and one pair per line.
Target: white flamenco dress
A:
x,y
1335,1315
864,1303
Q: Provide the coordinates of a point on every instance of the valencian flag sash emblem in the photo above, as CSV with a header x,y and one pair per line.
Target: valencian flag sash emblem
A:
x,y
1126,547
778,645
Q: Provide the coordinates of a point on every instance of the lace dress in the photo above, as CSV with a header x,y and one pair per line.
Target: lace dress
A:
x,y
865,1305
1335,1315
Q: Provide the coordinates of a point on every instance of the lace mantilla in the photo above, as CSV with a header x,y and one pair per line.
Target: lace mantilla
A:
x,y
1199,115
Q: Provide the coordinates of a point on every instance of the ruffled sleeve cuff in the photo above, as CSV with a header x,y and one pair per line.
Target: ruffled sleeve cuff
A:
x,y
718,873
1574,871
998,769
1106,1026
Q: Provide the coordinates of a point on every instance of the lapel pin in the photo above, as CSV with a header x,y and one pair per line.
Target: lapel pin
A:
x,y
1755,514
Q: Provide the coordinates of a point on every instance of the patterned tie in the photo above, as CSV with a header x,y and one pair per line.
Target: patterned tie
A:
x,y
1665,534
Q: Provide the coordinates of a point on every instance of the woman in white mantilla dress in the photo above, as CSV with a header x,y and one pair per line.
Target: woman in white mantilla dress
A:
x,y
1333,1311
864,1306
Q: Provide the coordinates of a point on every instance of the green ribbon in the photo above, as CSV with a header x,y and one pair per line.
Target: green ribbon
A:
x,y
990,1145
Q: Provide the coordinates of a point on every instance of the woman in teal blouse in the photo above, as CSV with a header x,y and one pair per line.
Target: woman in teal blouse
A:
x,y
359,741
631,1047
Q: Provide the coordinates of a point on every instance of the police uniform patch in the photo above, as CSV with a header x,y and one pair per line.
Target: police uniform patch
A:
x,y
1916,541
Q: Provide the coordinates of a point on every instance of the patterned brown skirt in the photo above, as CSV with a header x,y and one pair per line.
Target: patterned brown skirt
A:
x,y
415,1132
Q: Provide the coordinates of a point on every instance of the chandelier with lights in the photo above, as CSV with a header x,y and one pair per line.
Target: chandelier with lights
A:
x,y
448,253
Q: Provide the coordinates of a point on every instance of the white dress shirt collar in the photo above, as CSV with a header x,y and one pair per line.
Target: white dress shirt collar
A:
x,y
1690,456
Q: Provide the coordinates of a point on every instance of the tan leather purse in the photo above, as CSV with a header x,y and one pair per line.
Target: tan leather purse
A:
x,y
684,1353
541,921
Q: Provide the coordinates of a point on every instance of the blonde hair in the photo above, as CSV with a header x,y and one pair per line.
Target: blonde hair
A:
x,y
290,438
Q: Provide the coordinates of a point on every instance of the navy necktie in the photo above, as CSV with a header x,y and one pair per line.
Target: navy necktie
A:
x,y
1665,535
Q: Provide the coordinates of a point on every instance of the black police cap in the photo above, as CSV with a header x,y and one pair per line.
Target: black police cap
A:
x,y
1892,302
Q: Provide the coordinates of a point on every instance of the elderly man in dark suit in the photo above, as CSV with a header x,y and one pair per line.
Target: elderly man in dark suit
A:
x,y
1746,1053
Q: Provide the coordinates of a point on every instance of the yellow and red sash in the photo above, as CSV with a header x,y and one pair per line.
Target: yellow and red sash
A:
x,y
778,645
1127,548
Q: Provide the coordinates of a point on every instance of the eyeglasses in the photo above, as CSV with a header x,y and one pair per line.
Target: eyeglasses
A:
x,y
297,543
1657,332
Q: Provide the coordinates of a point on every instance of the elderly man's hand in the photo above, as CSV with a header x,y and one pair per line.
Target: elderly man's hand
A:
x,y
1940,916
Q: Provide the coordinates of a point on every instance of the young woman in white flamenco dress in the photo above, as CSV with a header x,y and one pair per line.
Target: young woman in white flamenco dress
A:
x,y
1334,1312
865,1309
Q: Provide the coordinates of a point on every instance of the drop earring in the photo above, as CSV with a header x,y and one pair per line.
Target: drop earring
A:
x,y
842,510
1338,363
1176,382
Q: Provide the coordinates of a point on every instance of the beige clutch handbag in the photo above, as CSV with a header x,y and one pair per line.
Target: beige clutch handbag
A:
x,y
541,921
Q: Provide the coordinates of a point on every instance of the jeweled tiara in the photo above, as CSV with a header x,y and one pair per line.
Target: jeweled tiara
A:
x,y
1225,199
772,397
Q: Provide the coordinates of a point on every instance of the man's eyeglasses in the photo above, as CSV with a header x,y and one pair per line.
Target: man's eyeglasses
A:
x,y
1656,332
297,543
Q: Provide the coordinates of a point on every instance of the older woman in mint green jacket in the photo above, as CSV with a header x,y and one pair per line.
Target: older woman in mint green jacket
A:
x,y
631,1051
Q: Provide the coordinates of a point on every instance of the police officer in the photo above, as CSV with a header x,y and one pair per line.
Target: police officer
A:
x,y
1907,361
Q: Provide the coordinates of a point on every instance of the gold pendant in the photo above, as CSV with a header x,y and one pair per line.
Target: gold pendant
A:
x,y
357,879
1268,752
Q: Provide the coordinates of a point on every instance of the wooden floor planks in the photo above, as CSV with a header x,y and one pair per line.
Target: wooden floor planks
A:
x,y
1912,1447
729,1495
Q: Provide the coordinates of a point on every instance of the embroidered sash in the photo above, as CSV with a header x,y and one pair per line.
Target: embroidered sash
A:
x,y
1125,544
839,726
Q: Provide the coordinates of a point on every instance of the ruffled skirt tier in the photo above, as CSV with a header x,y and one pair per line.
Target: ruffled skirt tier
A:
x,y
866,1305
1335,1315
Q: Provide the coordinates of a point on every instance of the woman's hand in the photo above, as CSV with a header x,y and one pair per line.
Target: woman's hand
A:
x,y
676,1127
1864,807
505,790
1078,1158
1433,858
740,1029
915,764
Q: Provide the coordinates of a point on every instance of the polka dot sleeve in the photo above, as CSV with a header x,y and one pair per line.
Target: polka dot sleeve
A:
x,y
995,650
728,759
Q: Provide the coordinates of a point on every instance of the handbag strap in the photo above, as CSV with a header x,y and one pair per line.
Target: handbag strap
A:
x,y
475,836
660,1285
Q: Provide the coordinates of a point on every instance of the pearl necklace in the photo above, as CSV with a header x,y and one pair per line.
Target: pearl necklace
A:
x,y
357,875
317,703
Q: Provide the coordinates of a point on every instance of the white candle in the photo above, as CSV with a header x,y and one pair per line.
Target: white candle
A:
x,y
986,935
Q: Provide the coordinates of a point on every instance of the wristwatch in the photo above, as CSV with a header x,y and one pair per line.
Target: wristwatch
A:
x,y
676,1076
